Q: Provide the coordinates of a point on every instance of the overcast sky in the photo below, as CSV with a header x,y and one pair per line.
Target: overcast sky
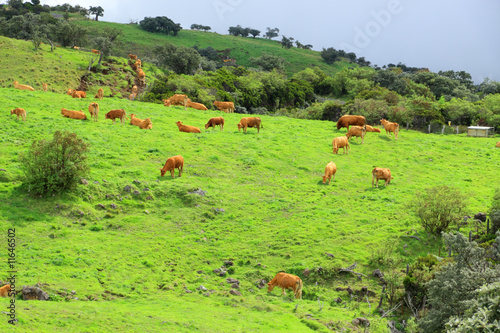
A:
x,y
438,34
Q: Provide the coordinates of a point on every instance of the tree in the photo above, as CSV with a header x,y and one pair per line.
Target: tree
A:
x,y
180,59
160,24
56,165
286,42
268,62
329,55
254,32
97,11
104,45
457,284
438,208
495,212
271,33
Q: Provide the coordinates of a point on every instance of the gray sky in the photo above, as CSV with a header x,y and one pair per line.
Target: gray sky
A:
x,y
438,34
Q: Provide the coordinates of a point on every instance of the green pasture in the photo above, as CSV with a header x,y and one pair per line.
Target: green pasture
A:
x,y
130,256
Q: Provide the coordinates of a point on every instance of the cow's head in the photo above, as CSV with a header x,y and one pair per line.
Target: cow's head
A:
x,y
163,172
324,179
206,125
270,287
239,126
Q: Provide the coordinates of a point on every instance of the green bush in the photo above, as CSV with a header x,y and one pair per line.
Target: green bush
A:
x,y
56,165
438,208
495,212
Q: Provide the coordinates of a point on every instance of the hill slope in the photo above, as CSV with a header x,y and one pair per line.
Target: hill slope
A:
x,y
255,200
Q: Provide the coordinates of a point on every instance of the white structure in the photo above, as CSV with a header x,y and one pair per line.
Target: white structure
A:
x,y
480,131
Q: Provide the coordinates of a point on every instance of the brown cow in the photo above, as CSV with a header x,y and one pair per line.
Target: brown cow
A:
x,y
19,112
72,114
132,56
135,90
22,86
381,173
348,120
498,144
78,93
100,94
5,291
341,142
94,111
134,120
113,114
212,122
227,107
286,281
172,163
357,131
177,99
250,122
131,97
330,171
138,64
390,127
96,51
197,106
372,129
141,74
45,87
145,124
187,128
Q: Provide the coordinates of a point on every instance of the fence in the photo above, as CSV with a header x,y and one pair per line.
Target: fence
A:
x,y
437,128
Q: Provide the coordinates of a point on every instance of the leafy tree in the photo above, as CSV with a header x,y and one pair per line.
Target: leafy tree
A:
x,y
104,45
460,111
286,42
373,110
254,32
329,55
97,11
161,24
456,285
268,62
489,111
180,59
271,33
56,165
438,208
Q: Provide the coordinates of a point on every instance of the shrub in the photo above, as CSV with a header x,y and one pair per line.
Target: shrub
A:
x,y
495,212
439,207
53,166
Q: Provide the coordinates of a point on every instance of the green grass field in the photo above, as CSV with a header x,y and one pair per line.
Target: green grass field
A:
x,y
265,209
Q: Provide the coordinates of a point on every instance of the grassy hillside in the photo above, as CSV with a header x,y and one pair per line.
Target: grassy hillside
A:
x,y
137,41
130,256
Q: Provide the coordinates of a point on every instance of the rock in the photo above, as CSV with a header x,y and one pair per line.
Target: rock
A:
x,y
84,181
96,182
219,210
378,273
104,180
149,197
34,293
136,181
109,196
146,211
3,170
199,272
235,285
361,321
480,216
101,206
127,188
392,326
113,206
261,283
136,192
235,292
199,192
187,290
329,255
306,272
228,263
231,280
202,288
338,300
145,189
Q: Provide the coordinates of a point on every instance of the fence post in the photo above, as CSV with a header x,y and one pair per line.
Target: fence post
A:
x,y
429,128
442,130
457,129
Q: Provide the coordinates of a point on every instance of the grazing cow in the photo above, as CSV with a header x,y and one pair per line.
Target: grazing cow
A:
x,y
134,120
498,144
5,290
94,111
145,124
141,74
357,131
212,122
172,163
22,86
19,112
135,90
372,129
45,87
72,114
197,106
227,107
69,92
78,94
341,142
132,56
381,173
96,51
113,114
187,128
138,64
177,99
330,170
390,127
286,281
100,94
348,120
76,47
250,122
